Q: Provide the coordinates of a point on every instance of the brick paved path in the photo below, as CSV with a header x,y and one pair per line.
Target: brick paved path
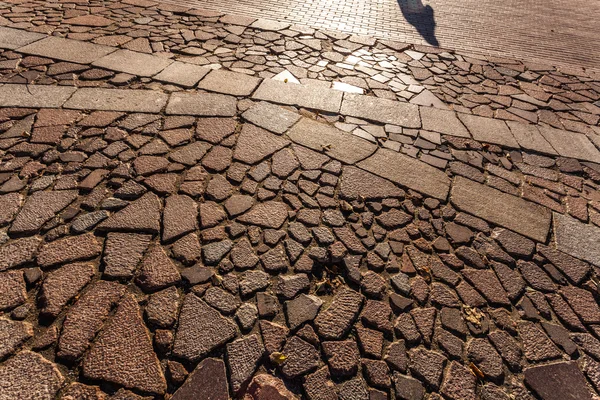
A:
x,y
198,204
556,32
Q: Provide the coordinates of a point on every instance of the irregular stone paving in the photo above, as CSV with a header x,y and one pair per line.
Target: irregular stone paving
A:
x,y
216,243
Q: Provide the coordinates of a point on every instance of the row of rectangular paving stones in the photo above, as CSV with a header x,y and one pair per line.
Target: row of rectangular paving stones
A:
x,y
543,139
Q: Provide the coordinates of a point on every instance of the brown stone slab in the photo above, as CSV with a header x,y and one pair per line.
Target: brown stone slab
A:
x,y
129,100
529,137
15,38
576,238
489,130
293,94
231,83
132,62
442,121
381,110
492,205
38,96
182,74
409,172
67,50
571,144
202,104
335,143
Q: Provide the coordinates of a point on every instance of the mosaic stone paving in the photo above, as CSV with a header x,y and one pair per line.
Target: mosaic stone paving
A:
x,y
206,232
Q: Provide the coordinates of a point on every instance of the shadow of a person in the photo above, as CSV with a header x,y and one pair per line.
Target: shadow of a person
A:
x,y
421,17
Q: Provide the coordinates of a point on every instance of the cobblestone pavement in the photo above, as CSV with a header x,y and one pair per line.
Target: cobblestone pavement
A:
x,y
200,206
556,32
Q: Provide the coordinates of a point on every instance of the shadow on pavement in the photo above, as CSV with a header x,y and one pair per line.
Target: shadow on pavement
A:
x,y
421,17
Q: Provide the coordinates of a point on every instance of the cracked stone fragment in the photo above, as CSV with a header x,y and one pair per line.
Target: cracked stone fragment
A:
x,y
267,387
343,357
408,388
255,144
270,214
39,208
18,252
29,376
253,281
488,284
221,300
557,381
123,354
302,309
161,309
318,386
85,318
72,248
201,329
242,255
536,345
427,365
459,383
334,322
179,217
157,271
80,391
62,285
142,215
13,291
243,357
9,205
207,381
355,389
214,252
302,357
483,354
123,252
12,335
275,260
271,117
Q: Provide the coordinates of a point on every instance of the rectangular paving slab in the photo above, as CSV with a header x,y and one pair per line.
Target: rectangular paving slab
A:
x,y
529,137
409,172
294,94
227,82
134,63
202,104
442,121
15,38
335,143
149,101
183,74
571,144
67,50
381,110
502,209
489,130
576,238
34,95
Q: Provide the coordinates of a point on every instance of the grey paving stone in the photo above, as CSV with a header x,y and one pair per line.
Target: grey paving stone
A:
x,y
529,137
271,117
182,74
409,172
148,101
334,142
227,82
203,104
489,130
381,110
134,63
313,97
511,212
15,38
576,238
34,95
571,144
442,121
67,50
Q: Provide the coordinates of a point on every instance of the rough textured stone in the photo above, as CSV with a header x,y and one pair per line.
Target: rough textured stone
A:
x,y
408,172
18,252
227,82
302,357
123,354
511,212
12,335
67,50
536,345
15,38
86,317
143,215
267,387
335,321
408,388
29,376
144,101
331,141
243,357
179,217
62,285
162,306
459,383
182,74
356,183
427,365
299,95
302,309
123,252
442,121
39,208
343,357
489,130
133,63
254,144
13,292
271,117
270,214
157,271
70,249
208,380
201,104
9,206
201,329
577,239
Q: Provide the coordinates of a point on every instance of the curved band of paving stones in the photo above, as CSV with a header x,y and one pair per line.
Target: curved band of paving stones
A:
x,y
249,237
